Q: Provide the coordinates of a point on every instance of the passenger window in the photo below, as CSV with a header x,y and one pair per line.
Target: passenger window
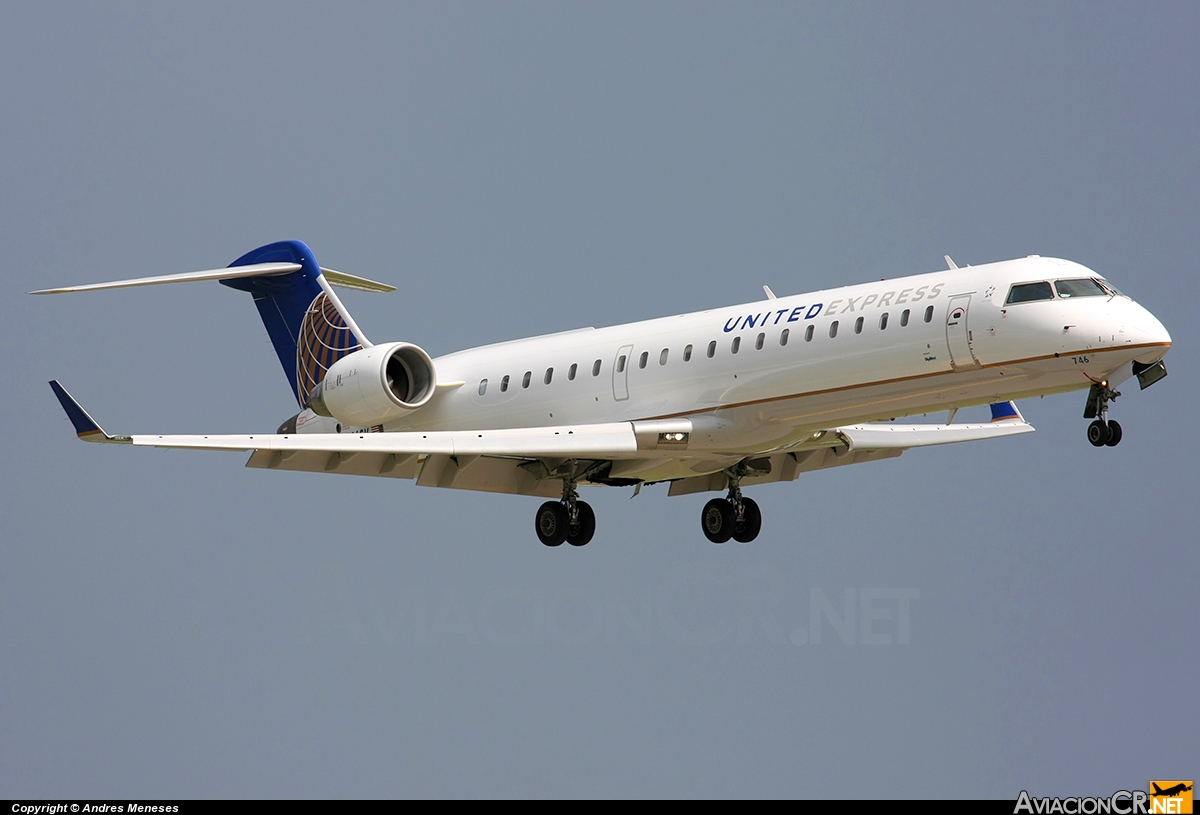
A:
x,y
525,381
808,334
929,314
549,375
833,329
712,349
904,318
1084,287
504,384
1027,292
621,364
883,321
858,324
482,387
783,336
571,372
687,354
737,343
642,361
596,368
758,344
662,358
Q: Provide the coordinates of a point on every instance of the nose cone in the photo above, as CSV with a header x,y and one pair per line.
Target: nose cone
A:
x,y
1150,332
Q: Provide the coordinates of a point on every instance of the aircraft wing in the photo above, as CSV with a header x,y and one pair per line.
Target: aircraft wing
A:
x,y
575,441
500,460
852,444
888,436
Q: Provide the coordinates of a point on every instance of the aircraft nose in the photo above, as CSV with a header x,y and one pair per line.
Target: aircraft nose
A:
x,y
1153,334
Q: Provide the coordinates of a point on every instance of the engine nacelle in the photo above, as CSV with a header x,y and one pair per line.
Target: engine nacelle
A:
x,y
375,384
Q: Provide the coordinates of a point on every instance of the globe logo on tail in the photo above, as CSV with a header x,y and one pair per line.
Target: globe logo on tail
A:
x,y
324,339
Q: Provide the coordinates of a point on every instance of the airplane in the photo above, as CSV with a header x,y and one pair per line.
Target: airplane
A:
x,y
1170,792
712,401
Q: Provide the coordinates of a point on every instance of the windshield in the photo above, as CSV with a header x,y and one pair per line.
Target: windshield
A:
x,y
1081,287
1025,292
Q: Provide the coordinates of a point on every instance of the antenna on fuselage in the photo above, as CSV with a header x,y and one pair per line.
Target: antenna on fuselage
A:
x,y
950,264
770,294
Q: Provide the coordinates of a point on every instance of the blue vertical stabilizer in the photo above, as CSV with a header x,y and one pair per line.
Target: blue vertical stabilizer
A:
x,y
305,327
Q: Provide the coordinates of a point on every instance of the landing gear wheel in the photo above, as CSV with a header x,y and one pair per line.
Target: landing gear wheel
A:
x,y
579,533
1098,433
747,530
551,523
1114,434
718,520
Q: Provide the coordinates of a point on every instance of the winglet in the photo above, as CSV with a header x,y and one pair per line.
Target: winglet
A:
x,y
85,426
1006,412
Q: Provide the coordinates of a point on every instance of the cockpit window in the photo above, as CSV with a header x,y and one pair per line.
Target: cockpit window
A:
x,y
1082,287
1111,288
1025,292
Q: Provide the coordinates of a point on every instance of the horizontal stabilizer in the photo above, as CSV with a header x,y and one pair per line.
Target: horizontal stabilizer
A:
x,y
255,270
335,278
349,281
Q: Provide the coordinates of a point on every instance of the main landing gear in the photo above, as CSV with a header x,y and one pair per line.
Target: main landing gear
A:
x,y
1102,432
569,520
732,516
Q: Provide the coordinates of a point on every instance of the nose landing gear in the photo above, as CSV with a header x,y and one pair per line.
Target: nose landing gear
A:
x,y
1101,432
732,516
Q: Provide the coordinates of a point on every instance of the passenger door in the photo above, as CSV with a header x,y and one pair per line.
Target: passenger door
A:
x,y
958,334
621,373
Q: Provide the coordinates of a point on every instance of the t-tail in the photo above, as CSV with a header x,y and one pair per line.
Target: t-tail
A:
x,y
307,323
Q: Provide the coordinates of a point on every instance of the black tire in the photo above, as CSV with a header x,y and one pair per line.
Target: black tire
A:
x,y
717,520
1114,434
551,523
1097,433
581,532
751,523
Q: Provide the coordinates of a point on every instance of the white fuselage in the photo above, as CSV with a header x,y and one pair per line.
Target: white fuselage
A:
x,y
948,341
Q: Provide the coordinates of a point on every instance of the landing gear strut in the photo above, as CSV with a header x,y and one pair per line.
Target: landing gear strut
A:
x,y
732,516
1102,432
569,519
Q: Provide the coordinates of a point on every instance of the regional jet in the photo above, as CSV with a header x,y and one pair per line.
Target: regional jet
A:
x,y
1170,792
712,401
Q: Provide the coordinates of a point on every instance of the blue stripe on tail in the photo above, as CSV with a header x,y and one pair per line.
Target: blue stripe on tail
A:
x,y
307,331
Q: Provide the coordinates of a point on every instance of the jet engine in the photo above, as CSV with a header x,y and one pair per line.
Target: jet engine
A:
x,y
375,384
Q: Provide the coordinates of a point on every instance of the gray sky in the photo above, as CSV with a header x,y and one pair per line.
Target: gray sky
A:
x,y
173,624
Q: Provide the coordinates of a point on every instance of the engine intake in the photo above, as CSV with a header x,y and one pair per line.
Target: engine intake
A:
x,y
375,384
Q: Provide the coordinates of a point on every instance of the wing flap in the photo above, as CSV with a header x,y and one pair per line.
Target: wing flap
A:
x,y
385,465
784,467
